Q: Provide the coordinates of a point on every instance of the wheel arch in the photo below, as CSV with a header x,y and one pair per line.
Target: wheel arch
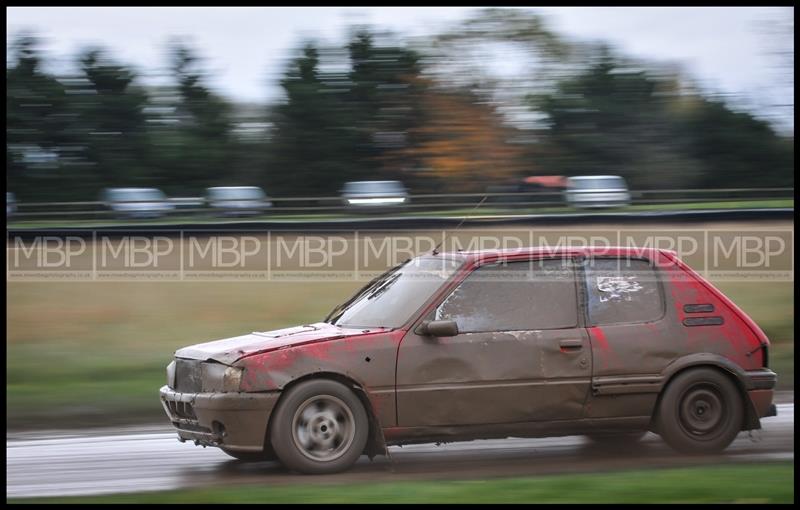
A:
x,y
721,364
376,444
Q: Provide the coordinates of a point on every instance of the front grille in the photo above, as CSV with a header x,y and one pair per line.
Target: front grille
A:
x,y
188,376
181,409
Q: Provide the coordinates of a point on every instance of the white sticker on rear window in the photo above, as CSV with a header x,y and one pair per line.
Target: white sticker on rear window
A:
x,y
617,288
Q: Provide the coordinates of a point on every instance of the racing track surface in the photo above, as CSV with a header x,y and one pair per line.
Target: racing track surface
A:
x,y
147,459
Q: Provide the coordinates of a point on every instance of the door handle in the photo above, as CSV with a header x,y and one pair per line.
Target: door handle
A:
x,y
571,345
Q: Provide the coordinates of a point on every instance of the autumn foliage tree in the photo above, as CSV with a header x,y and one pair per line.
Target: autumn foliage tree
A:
x,y
463,145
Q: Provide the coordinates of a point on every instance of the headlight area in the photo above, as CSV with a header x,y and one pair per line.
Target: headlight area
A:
x,y
171,375
195,376
217,377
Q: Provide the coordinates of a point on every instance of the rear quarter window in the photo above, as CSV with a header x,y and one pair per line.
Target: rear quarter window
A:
x,y
622,291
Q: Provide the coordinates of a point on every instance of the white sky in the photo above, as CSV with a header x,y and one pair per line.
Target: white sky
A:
x,y
725,48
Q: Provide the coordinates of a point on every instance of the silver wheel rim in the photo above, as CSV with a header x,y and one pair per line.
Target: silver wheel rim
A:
x,y
323,428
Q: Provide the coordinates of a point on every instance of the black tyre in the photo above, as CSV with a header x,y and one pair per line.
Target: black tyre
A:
x,y
319,427
250,456
701,411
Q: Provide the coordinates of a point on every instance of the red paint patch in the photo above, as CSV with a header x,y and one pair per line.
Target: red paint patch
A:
x,y
599,338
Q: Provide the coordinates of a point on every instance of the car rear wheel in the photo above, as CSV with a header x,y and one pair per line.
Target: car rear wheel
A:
x,y
701,411
319,427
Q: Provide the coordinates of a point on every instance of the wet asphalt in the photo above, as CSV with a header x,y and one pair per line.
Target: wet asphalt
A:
x,y
140,459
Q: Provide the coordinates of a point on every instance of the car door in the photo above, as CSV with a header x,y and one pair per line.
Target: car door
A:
x,y
521,353
632,335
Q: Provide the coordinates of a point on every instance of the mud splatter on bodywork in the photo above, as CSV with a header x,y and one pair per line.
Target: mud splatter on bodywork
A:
x,y
366,358
595,354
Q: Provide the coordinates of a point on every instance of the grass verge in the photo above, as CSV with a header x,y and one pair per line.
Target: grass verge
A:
x,y
94,353
751,483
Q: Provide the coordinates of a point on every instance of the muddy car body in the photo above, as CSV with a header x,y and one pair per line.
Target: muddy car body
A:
x,y
605,342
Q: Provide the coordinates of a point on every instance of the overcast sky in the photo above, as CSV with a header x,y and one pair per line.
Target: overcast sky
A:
x,y
726,48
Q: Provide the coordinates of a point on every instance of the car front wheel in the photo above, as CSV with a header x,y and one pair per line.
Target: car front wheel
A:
x,y
701,411
319,427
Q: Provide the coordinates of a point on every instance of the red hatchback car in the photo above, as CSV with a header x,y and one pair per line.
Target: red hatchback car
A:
x,y
608,343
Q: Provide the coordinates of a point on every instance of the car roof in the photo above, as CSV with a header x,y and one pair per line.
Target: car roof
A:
x,y
625,251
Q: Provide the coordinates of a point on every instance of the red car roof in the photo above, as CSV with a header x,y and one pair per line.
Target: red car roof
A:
x,y
627,251
548,181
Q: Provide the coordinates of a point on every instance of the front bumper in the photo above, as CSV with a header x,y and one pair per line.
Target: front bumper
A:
x,y
235,421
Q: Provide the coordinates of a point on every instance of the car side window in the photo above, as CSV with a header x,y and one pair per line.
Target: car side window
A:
x,y
514,296
622,290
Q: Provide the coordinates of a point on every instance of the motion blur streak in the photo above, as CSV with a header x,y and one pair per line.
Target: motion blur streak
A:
x,y
406,127
135,460
425,110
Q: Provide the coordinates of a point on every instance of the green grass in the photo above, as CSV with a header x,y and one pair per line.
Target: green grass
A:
x,y
743,204
753,483
488,210
782,362
771,305
732,204
95,353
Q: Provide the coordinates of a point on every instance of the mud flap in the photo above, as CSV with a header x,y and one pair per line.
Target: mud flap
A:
x,y
376,444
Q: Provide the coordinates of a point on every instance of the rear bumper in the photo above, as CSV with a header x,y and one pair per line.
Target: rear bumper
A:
x,y
761,390
235,421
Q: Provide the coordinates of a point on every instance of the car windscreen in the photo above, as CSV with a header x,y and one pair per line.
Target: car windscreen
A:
x,y
599,183
391,299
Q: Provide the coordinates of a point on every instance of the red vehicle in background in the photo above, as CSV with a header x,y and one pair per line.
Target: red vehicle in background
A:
x,y
534,189
545,182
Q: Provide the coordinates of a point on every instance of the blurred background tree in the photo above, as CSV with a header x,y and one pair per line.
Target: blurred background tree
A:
x,y
111,122
463,146
617,118
38,118
425,111
202,150
314,135
349,122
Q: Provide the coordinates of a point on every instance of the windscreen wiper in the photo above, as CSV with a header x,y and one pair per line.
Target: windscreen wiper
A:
x,y
341,306
380,289
337,311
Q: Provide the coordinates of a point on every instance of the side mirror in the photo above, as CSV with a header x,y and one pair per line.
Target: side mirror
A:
x,y
438,328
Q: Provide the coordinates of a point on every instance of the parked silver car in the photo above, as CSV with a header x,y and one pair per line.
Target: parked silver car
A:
x,y
137,202
597,191
238,200
11,204
374,194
